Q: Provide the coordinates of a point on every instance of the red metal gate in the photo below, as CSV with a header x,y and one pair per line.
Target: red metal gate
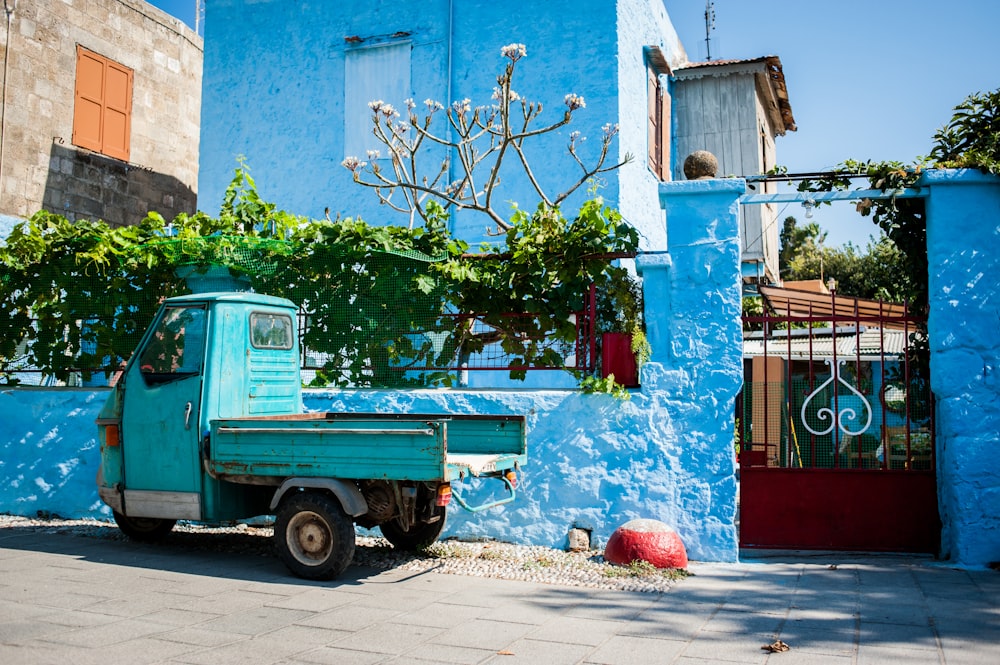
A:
x,y
835,427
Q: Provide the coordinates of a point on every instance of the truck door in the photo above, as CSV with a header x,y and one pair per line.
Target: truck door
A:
x,y
160,418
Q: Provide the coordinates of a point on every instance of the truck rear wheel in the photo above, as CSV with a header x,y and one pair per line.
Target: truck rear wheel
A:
x,y
144,529
314,536
418,536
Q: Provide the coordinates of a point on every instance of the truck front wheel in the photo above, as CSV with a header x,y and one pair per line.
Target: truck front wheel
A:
x,y
419,535
144,529
314,536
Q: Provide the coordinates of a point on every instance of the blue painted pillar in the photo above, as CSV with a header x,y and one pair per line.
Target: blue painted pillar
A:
x,y
692,293
692,311
963,252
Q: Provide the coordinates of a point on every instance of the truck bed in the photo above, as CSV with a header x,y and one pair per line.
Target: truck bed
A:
x,y
417,447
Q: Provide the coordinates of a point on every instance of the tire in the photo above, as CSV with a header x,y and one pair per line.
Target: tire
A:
x,y
313,535
418,536
144,529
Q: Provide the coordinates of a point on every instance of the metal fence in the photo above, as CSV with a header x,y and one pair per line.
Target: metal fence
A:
x,y
836,390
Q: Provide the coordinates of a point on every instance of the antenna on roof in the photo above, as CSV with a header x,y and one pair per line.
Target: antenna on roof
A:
x,y
199,15
709,26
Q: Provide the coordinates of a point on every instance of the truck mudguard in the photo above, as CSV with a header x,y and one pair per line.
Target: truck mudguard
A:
x,y
350,497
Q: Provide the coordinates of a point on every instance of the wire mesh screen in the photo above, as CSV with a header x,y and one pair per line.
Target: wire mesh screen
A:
x,y
883,423
382,320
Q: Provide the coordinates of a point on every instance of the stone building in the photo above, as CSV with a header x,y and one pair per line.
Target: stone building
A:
x,y
101,104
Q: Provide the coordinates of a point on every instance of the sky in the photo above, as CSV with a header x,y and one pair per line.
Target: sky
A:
x,y
866,79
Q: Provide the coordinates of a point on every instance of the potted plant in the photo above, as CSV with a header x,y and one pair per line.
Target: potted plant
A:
x,y
623,344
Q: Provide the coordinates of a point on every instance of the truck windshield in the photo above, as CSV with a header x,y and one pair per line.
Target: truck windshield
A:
x,y
177,346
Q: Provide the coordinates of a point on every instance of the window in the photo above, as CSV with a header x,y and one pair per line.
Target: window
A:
x,y
270,331
658,112
102,111
176,347
372,73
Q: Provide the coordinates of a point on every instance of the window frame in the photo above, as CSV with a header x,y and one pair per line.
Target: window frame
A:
x,y
382,71
290,344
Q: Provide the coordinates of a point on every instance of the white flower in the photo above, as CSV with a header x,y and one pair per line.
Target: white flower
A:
x,y
389,111
574,136
433,105
353,163
374,154
511,95
513,51
574,101
375,105
410,104
610,129
464,106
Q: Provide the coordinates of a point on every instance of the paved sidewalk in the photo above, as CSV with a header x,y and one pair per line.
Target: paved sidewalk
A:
x,y
73,600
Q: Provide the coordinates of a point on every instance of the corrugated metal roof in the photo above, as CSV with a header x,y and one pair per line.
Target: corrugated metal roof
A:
x,y
871,344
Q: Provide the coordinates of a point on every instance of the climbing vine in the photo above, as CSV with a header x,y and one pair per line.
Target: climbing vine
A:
x,y
79,294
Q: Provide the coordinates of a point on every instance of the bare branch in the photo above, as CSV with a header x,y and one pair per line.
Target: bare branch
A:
x,y
482,137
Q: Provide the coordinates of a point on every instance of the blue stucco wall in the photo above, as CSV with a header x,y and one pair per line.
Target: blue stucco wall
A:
x,y
963,251
595,462
49,453
274,76
641,23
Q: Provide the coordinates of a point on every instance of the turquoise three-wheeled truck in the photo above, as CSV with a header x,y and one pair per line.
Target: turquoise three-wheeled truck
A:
x,y
206,424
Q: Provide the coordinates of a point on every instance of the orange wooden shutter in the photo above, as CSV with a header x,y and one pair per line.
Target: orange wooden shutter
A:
x,y
117,110
103,106
89,100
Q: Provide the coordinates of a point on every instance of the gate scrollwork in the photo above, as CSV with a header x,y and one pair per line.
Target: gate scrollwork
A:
x,y
845,414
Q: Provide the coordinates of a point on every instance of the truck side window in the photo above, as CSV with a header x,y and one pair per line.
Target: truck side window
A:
x,y
271,331
176,347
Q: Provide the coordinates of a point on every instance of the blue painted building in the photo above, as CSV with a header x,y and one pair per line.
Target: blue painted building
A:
x,y
287,85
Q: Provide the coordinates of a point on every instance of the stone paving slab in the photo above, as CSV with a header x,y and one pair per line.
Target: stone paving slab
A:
x,y
68,599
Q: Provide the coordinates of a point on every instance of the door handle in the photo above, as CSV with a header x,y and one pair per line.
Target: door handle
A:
x,y
187,416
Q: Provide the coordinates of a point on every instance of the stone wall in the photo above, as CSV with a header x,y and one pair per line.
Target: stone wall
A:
x,y
42,169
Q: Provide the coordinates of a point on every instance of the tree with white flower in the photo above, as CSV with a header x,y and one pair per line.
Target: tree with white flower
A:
x,y
481,140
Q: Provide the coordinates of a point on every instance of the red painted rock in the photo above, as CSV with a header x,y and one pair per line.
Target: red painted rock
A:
x,y
646,540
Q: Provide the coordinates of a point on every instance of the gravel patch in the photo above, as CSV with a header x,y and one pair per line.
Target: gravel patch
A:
x,y
477,559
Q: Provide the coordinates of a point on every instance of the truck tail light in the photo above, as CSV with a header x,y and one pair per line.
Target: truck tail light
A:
x,y
511,477
111,438
443,494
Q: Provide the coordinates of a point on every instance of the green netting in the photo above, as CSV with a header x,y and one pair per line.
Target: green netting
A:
x,y
782,420
367,318
248,254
